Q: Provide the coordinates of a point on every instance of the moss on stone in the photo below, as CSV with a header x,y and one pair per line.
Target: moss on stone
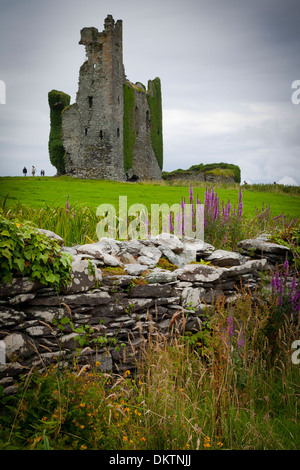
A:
x,y
226,170
57,102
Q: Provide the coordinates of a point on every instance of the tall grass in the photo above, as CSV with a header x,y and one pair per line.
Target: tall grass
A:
x,y
76,225
225,222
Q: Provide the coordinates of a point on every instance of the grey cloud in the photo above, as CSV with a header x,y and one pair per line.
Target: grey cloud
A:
x,y
212,57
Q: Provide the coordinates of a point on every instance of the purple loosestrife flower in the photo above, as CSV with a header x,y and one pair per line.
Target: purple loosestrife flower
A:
x,y
286,268
230,326
191,194
67,205
171,223
240,209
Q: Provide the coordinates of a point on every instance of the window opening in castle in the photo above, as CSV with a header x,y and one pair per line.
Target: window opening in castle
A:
x,y
101,134
118,132
90,98
85,131
147,119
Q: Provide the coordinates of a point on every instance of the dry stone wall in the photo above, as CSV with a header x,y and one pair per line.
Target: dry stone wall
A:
x,y
119,296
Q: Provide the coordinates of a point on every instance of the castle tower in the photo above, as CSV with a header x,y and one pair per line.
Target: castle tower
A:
x,y
108,133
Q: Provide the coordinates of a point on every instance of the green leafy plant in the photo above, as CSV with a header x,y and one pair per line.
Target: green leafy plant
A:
x,y
25,251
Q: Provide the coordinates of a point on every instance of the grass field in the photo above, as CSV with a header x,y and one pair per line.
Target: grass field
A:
x,y
203,391
38,192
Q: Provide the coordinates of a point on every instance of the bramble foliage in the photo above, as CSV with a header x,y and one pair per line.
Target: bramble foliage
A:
x,y
24,251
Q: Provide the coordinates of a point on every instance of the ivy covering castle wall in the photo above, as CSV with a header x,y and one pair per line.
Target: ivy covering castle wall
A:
x,y
57,102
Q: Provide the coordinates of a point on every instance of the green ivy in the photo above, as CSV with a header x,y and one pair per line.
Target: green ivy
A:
x,y
129,135
57,102
24,251
155,105
212,168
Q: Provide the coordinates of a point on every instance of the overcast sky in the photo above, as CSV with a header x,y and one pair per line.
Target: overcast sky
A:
x,y
226,68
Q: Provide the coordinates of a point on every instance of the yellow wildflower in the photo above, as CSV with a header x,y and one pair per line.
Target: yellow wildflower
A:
x,y
83,447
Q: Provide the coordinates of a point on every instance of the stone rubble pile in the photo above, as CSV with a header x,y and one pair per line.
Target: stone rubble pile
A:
x,y
120,292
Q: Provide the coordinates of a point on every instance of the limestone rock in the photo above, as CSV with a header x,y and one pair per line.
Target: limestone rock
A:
x,y
149,256
51,234
91,249
150,291
10,317
190,297
17,345
168,240
133,247
202,248
198,272
245,268
109,245
97,251
85,276
127,258
21,298
261,247
225,258
161,276
135,269
20,285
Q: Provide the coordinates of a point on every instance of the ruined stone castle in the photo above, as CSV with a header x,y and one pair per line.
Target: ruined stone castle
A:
x,y
114,130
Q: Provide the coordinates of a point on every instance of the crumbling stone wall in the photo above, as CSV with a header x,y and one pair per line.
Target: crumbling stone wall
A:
x,y
93,128
118,290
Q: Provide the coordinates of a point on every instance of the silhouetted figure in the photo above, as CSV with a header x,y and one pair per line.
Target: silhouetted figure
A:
x,y
24,171
42,172
33,170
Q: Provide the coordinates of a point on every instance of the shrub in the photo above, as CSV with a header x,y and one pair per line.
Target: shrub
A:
x,y
24,251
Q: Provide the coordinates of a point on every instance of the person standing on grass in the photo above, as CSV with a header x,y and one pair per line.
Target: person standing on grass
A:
x,y
33,170
24,171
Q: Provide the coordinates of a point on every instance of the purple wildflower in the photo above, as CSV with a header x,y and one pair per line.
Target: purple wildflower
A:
x,y
67,205
240,209
286,268
230,326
